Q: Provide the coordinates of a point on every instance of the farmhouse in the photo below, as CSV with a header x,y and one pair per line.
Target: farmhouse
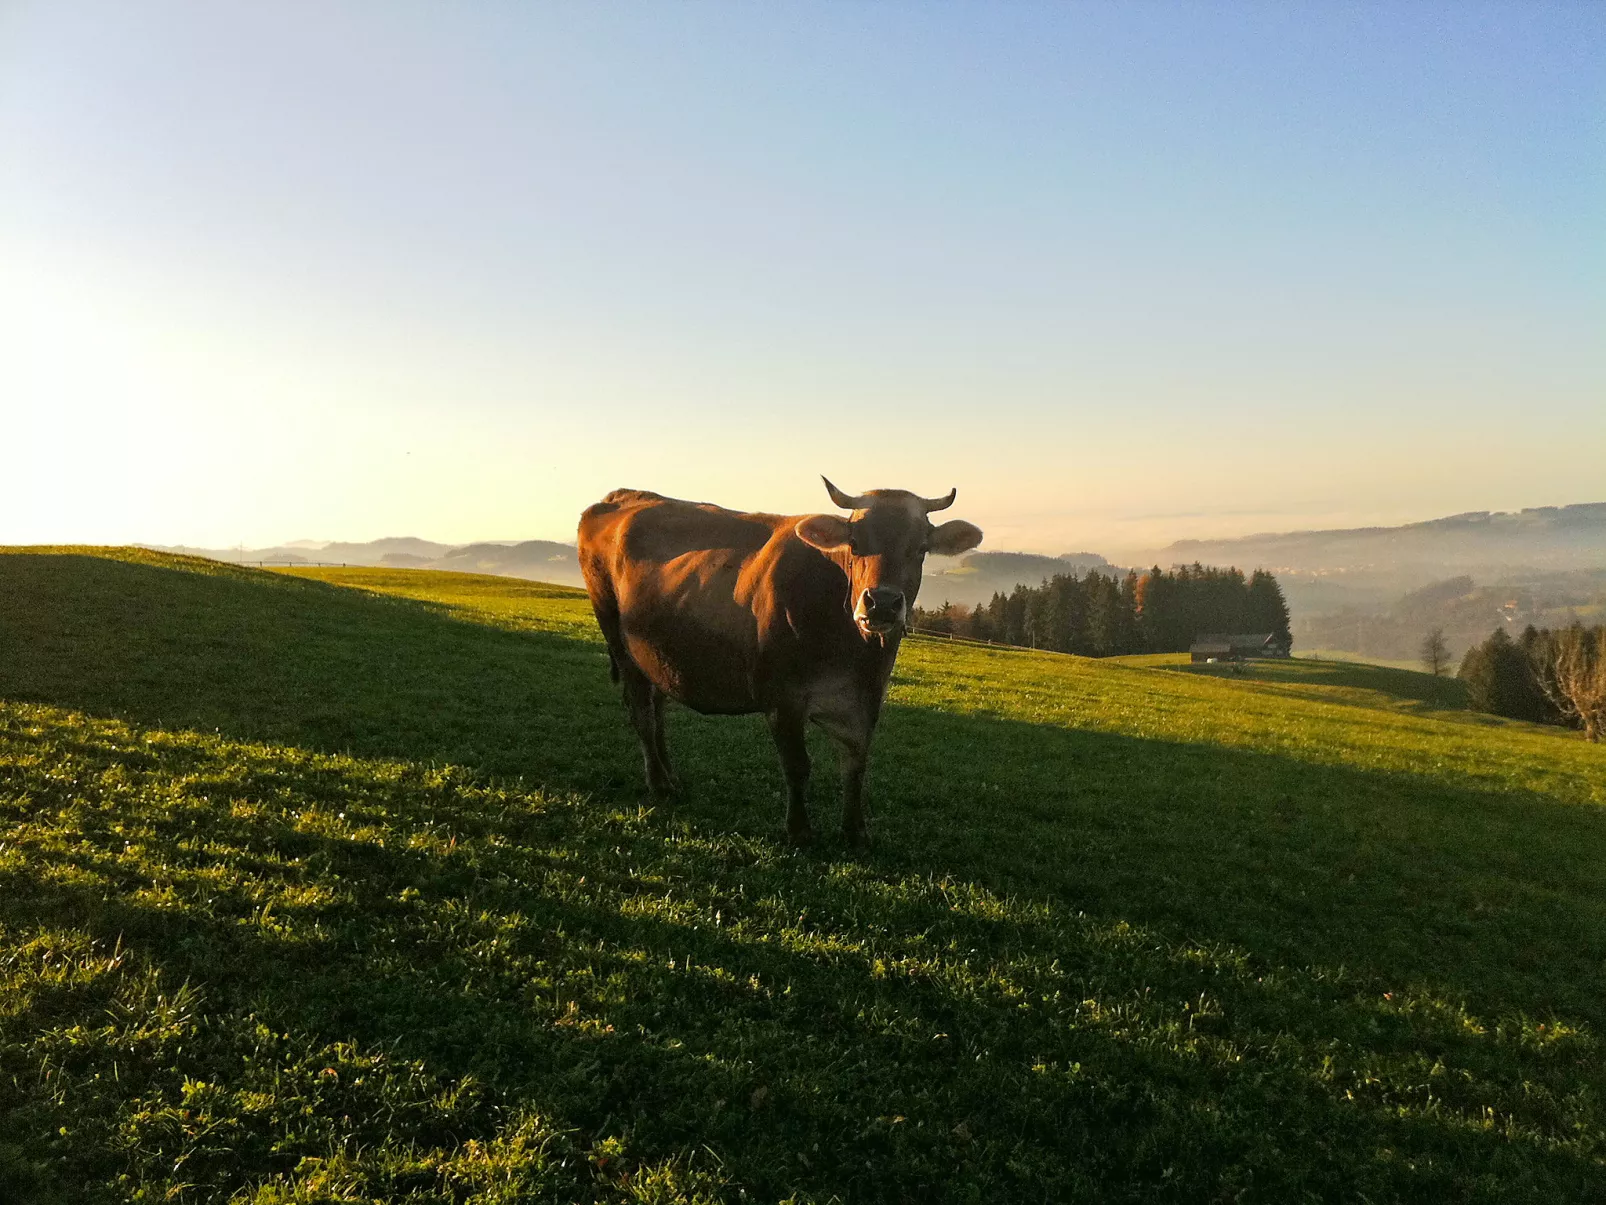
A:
x,y
1237,647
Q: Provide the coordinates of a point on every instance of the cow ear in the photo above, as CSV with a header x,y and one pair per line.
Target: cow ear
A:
x,y
954,537
824,532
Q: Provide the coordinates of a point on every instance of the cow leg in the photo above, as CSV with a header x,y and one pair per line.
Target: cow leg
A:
x,y
852,737
643,700
645,718
787,728
854,756
660,702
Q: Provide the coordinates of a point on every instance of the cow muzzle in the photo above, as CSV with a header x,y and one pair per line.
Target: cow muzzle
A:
x,y
880,611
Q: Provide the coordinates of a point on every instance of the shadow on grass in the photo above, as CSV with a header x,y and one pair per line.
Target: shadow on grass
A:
x,y
270,657
1077,965
819,1027
1427,693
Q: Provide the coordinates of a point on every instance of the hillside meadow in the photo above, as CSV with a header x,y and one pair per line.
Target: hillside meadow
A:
x,y
339,885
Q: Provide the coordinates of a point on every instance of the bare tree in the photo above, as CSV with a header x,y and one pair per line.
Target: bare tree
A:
x,y
1572,673
1435,653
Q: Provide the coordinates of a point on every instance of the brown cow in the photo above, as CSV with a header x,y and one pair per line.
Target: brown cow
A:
x,y
795,616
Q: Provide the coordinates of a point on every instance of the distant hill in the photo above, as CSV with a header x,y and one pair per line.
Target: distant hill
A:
x,y
1465,610
979,576
378,550
538,560
1364,569
1542,537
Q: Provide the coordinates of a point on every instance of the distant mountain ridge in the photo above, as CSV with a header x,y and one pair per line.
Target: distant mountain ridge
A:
x,y
1364,569
1547,537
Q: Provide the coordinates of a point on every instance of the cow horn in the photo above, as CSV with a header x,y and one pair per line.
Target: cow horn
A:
x,y
932,504
845,501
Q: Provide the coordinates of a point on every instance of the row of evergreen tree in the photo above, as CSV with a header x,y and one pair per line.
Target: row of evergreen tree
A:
x,y
1546,676
1101,615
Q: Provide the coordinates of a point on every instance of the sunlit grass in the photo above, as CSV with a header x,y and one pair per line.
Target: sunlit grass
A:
x,y
313,892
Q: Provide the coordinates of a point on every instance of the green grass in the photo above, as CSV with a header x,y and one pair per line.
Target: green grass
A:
x,y
1365,684
1412,665
338,885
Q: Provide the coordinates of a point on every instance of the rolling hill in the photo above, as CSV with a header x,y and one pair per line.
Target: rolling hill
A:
x,y
1365,569
328,884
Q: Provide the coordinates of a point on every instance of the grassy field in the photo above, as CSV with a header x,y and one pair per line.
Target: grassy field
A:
x,y
1321,654
338,885
1367,684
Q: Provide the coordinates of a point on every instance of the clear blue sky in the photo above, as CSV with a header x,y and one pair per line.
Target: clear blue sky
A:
x,y
1121,273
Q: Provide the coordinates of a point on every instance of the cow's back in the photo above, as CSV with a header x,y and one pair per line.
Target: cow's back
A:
x,y
693,594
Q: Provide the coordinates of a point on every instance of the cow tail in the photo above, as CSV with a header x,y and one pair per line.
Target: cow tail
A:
x,y
599,585
606,608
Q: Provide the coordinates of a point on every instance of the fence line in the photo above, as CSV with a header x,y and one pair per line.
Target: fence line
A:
x,y
933,634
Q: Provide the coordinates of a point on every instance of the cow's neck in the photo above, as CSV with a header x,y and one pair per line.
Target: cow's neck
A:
x,y
880,652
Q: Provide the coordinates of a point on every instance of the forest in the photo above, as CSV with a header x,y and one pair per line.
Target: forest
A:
x,y
1102,615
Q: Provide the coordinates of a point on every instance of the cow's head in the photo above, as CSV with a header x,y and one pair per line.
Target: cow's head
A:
x,y
885,542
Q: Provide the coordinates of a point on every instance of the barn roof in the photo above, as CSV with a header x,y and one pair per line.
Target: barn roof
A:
x,y
1227,642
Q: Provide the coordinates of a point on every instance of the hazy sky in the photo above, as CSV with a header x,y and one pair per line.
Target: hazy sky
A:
x,y
1121,273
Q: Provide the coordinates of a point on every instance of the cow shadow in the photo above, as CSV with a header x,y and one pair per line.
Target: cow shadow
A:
x,y
1411,691
627,978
